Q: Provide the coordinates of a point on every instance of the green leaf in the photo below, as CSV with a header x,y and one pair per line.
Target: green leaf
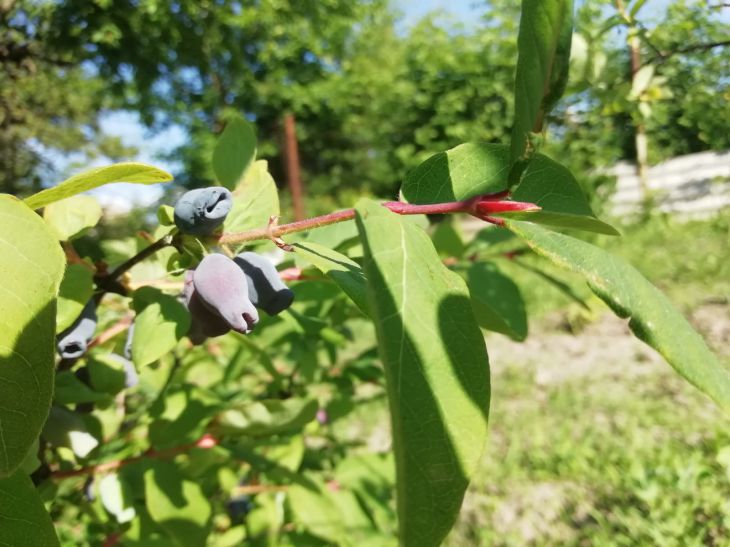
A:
x,y
31,262
641,81
636,7
553,187
333,235
473,169
180,416
268,417
178,505
255,199
546,30
316,512
339,268
106,373
436,368
652,318
166,215
234,152
138,173
70,390
25,520
496,301
158,327
465,171
76,290
447,239
72,216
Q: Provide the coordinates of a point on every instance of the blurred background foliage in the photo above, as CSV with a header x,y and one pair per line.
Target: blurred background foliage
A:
x,y
371,96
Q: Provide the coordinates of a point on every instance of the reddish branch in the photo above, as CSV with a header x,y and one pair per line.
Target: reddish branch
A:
x,y
111,332
206,441
483,207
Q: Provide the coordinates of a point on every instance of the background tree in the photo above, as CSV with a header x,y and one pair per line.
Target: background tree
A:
x,y
49,104
371,98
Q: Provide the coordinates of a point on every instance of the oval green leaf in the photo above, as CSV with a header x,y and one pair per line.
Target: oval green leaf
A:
x,y
339,268
158,327
72,216
31,262
25,520
255,199
268,417
543,43
552,186
234,152
436,368
652,317
496,301
177,504
76,290
465,171
139,173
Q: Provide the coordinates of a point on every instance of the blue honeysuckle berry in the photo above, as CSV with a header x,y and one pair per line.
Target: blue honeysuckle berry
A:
x,y
201,211
222,286
266,290
72,342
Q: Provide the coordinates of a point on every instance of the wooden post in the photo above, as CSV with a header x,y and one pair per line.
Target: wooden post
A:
x,y
291,158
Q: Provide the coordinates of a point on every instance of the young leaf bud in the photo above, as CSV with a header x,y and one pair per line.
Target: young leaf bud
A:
x,y
222,287
202,210
72,343
265,287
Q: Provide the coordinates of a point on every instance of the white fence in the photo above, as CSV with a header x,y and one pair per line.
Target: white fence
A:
x,y
696,185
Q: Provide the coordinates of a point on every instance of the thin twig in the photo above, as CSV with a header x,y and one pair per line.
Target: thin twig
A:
x,y
206,441
120,326
140,256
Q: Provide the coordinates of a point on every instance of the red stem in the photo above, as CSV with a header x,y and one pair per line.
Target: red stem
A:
x,y
399,207
206,441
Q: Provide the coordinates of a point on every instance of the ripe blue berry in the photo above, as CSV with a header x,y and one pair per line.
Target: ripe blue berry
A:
x,y
205,323
265,288
72,343
222,286
201,211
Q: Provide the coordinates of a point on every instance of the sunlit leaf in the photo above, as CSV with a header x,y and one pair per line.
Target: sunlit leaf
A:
x,y
546,31
234,152
177,504
32,263
139,173
255,199
436,367
72,216
652,318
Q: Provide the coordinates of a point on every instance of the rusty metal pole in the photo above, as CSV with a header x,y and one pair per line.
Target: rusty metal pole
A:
x,y
293,177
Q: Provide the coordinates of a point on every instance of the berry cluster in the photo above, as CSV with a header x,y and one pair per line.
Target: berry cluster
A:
x,y
222,294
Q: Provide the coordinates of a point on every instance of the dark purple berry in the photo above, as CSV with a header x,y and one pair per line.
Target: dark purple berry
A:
x,y
222,287
266,290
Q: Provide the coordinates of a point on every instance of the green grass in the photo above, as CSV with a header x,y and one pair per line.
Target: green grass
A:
x,y
606,458
593,439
